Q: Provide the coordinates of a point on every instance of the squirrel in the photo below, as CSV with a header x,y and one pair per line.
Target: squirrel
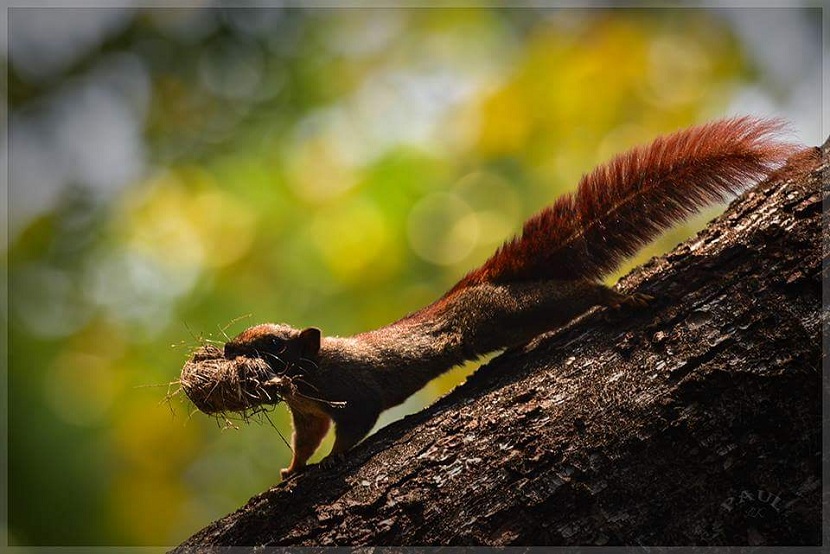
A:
x,y
534,283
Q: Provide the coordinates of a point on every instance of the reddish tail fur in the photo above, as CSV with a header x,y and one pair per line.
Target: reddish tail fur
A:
x,y
623,205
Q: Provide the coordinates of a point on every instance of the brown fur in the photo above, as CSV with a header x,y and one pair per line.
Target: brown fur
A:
x,y
533,284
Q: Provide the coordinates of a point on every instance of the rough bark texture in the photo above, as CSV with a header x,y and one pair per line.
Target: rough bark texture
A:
x,y
696,421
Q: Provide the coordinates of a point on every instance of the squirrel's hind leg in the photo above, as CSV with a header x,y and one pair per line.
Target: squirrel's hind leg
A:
x,y
618,300
635,299
349,431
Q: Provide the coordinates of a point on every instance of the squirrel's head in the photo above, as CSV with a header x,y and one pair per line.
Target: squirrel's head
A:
x,y
283,347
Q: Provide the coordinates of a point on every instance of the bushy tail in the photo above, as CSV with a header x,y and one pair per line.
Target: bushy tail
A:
x,y
626,203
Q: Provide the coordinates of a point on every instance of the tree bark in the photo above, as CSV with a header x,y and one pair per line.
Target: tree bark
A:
x,y
696,421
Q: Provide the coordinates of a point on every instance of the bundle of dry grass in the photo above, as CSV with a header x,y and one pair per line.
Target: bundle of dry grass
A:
x,y
217,385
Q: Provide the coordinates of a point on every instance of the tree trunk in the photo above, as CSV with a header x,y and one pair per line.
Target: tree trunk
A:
x,y
696,421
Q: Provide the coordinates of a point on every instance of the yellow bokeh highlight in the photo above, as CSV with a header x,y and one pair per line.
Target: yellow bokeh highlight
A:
x,y
147,495
183,218
83,383
146,507
504,123
81,388
678,71
145,427
619,140
442,228
589,87
583,81
316,171
353,240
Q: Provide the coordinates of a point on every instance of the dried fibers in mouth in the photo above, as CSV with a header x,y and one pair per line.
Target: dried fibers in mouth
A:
x,y
217,385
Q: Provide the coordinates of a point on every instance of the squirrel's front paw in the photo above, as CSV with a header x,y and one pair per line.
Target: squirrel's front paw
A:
x,y
332,460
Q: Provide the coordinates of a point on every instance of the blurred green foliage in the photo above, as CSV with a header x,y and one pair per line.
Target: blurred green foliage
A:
x,y
336,168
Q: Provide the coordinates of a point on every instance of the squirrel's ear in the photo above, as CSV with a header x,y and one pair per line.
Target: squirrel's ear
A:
x,y
310,342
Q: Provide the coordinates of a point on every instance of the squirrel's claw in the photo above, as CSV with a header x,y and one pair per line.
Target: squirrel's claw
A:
x,y
289,473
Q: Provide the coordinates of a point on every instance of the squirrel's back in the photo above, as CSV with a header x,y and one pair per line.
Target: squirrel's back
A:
x,y
626,203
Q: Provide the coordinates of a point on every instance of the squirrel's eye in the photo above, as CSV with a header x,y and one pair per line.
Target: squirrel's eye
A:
x,y
275,341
